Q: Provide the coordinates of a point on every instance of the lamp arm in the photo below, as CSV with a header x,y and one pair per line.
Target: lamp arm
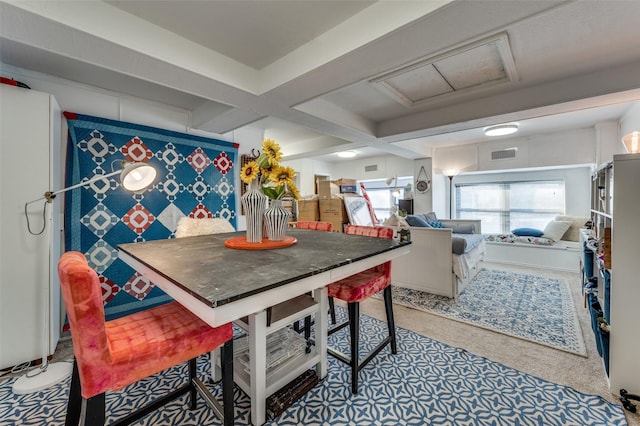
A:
x,y
49,196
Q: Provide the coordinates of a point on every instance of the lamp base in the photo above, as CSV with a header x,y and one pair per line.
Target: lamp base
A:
x,y
55,373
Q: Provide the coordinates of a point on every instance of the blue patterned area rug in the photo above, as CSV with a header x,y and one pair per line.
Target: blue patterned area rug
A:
x,y
426,383
531,307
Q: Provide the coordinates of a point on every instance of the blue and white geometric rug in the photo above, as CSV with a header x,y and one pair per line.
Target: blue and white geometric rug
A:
x,y
426,383
531,307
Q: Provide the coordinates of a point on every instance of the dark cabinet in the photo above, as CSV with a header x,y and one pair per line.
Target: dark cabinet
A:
x,y
406,205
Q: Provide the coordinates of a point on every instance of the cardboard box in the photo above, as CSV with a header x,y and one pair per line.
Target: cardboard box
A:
x,y
346,181
346,189
308,210
327,190
333,211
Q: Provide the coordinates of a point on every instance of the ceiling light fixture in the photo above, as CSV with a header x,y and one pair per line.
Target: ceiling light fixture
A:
x,y
501,129
347,154
631,142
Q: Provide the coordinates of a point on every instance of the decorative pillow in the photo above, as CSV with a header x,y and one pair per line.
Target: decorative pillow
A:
x,y
435,224
458,245
430,217
415,220
556,229
527,232
577,222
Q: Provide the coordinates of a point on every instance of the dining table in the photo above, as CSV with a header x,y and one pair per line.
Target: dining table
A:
x,y
260,287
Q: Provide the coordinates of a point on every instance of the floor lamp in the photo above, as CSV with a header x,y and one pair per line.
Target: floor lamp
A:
x,y
450,174
133,177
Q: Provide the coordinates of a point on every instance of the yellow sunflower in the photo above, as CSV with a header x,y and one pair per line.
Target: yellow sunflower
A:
x,y
249,172
294,191
272,150
282,175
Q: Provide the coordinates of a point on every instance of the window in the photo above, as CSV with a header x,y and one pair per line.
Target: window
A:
x,y
508,205
381,195
381,201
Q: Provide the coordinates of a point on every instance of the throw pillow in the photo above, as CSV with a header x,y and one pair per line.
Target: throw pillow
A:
x,y
556,229
435,224
527,232
415,220
577,222
430,217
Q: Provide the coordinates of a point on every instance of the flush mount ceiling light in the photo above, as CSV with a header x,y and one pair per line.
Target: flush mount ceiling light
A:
x,y
347,154
501,129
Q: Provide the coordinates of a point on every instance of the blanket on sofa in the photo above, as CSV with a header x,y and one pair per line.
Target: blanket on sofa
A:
x,y
464,243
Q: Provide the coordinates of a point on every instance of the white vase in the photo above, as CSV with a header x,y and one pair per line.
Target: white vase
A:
x,y
254,203
276,219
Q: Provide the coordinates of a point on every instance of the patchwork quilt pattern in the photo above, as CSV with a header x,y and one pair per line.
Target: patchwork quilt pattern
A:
x,y
196,178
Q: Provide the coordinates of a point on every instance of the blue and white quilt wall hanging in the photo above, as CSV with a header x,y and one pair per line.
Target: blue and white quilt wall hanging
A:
x,y
195,179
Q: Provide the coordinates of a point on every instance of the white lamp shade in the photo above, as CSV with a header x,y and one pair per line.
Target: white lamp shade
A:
x,y
137,176
631,142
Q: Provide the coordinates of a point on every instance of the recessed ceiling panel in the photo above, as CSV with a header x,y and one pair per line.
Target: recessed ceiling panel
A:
x,y
474,67
420,83
481,63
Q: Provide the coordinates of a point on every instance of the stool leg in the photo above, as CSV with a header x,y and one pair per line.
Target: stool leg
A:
x,y
226,362
354,331
74,406
388,307
332,310
94,413
193,394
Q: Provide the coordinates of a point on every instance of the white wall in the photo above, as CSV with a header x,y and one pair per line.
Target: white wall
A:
x,y
386,166
306,169
89,100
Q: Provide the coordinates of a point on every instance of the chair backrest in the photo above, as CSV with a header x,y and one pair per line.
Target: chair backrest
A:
x,y
369,231
190,227
82,294
315,225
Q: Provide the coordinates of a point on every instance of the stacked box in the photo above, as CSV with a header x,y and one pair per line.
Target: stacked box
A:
x,y
345,181
327,190
308,210
346,189
333,211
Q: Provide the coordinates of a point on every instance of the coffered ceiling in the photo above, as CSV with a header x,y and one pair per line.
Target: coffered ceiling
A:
x,y
376,77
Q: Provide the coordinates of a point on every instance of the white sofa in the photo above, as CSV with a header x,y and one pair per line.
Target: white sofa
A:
x,y
429,267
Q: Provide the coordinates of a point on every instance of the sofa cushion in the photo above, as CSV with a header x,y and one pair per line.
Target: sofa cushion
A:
x,y
460,228
527,232
417,220
577,222
556,229
458,245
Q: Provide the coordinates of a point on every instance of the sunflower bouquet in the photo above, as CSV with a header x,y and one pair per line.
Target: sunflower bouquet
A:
x,y
275,180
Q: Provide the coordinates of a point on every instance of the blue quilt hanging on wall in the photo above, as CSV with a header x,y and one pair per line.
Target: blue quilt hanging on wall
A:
x,y
195,179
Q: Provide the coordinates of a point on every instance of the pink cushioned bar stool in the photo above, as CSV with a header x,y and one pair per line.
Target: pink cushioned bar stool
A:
x,y
315,225
357,288
110,355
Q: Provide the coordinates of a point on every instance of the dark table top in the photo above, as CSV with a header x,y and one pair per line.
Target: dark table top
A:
x,y
216,275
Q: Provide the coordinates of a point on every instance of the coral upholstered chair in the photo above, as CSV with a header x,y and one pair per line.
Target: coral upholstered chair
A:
x,y
110,355
357,288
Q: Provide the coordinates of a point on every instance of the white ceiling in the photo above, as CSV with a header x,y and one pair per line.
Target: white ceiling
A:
x,y
376,77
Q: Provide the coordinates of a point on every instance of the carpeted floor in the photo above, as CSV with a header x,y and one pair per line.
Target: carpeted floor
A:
x,y
427,382
529,306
